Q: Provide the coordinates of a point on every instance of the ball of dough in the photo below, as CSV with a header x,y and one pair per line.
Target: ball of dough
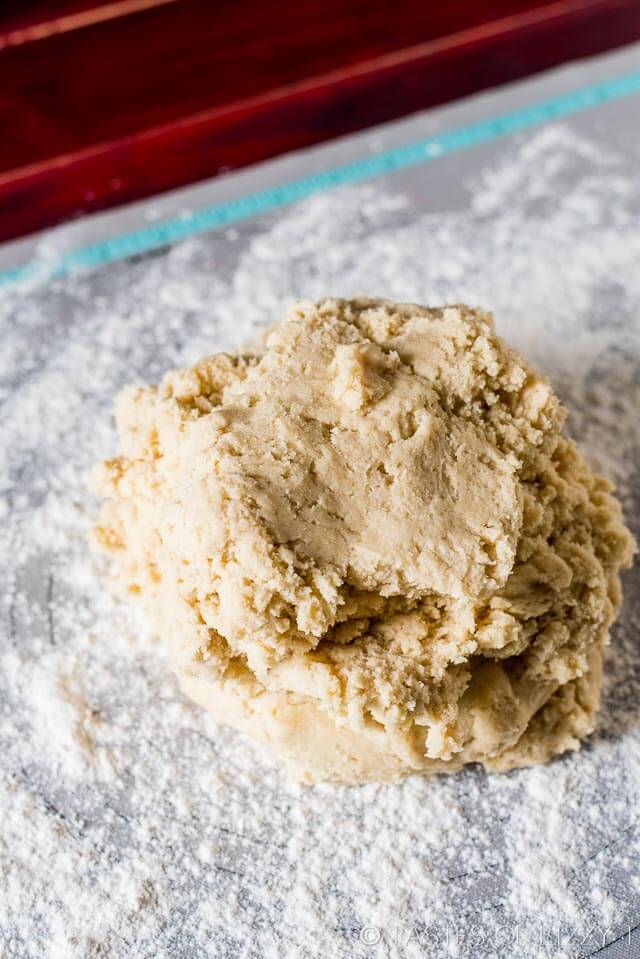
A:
x,y
367,544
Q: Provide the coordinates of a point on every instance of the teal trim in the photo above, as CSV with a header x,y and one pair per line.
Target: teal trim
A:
x,y
264,201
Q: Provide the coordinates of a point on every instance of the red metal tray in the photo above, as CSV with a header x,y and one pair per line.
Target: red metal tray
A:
x,y
103,103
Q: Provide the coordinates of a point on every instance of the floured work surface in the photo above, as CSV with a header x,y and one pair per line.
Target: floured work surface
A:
x,y
131,824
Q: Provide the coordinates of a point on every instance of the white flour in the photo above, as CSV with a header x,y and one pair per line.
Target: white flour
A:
x,y
131,825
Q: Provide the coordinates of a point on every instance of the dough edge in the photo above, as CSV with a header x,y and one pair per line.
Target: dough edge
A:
x,y
554,720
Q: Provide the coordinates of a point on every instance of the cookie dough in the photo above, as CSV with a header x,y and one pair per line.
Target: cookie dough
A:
x,y
366,543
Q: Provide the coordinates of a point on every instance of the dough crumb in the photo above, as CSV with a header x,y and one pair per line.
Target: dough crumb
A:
x,y
366,542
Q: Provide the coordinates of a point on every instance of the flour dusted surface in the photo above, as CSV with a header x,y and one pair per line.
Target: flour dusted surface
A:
x,y
133,826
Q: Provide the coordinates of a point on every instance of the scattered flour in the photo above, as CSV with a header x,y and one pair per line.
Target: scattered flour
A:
x,y
130,824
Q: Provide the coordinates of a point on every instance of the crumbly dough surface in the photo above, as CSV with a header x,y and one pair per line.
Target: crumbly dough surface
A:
x,y
366,543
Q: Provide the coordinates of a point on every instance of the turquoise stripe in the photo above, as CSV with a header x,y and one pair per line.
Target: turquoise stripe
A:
x,y
264,201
